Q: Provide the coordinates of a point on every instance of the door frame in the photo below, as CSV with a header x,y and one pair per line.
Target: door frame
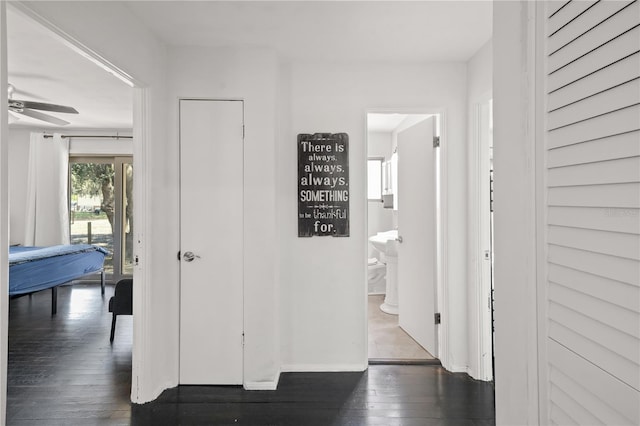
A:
x,y
192,98
142,207
118,161
480,334
442,296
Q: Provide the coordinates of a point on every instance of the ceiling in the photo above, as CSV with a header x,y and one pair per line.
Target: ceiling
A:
x,y
335,31
43,69
384,123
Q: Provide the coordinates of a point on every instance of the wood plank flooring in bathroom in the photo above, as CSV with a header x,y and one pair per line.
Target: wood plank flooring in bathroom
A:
x,y
387,341
63,371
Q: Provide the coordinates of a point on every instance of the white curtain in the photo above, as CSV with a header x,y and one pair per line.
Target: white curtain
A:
x,y
47,221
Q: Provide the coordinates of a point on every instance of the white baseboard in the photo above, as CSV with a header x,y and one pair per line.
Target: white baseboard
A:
x,y
144,397
458,369
271,385
326,368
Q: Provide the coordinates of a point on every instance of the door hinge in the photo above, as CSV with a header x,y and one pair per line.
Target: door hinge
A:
x,y
178,255
242,339
243,131
437,318
436,141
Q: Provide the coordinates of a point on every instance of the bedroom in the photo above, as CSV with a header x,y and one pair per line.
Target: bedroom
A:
x,y
86,176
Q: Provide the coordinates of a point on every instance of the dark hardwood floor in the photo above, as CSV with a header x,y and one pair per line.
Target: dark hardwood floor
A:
x,y
63,371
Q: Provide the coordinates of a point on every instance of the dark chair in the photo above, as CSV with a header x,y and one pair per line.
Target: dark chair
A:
x,y
122,302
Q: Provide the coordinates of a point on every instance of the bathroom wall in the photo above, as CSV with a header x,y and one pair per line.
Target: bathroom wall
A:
x,y
380,218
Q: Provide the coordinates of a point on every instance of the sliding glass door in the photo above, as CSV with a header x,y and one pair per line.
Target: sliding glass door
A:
x,y
101,209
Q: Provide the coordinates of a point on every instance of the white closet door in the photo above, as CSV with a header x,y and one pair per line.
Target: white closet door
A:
x,y
211,212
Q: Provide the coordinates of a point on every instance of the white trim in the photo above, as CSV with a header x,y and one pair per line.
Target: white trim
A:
x,y
326,368
75,45
541,209
478,220
4,216
142,268
532,219
442,259
271,385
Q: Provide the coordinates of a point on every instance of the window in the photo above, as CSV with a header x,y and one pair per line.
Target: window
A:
x,y
374,178
101,210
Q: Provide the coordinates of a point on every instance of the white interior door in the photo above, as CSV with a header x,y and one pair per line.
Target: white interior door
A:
x,y
211,279
417,229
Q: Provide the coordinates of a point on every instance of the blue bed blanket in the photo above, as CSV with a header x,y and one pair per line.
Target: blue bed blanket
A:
x,y
37,268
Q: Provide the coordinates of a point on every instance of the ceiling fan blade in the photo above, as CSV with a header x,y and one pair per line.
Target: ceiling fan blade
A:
x,y
47,107
41,116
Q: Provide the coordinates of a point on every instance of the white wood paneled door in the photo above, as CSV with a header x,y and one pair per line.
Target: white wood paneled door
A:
x,y
211,234
417,229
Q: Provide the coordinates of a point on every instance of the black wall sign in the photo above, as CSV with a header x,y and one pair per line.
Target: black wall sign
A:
x,y
323,184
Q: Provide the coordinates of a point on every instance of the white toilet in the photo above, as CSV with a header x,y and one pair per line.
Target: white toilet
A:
x,y
376,276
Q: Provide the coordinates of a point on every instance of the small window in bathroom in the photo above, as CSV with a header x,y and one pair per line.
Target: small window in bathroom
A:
x,y
374,178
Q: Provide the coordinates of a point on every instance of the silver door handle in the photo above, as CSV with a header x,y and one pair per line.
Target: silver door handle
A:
x,y
399,239
189,256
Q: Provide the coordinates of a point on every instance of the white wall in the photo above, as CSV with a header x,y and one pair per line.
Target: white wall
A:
x,y
479,87
250,75
380,219
323,278
514,213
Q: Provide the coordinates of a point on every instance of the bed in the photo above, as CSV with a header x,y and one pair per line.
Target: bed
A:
x,y
34,269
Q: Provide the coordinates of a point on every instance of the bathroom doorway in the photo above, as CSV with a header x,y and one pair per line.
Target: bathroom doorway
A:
x,y
401,326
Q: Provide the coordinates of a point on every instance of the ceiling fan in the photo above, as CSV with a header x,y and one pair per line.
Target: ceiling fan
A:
x,y
32,109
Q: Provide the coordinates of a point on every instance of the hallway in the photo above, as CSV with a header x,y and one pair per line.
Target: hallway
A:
x,y
62,371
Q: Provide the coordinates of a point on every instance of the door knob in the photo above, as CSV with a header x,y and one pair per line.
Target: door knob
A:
x,y
189,256
399,239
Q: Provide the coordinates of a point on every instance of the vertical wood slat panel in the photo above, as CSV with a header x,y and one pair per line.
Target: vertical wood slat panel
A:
x,y
620,244
617,49
622,96
621,349
588,397
565,15
610,291
597,391
620,195
623,320
606,78
603,33
609,148
624,170
593,206
580,416
589,20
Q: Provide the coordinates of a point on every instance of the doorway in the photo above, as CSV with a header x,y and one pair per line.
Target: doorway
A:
x,y
402,267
